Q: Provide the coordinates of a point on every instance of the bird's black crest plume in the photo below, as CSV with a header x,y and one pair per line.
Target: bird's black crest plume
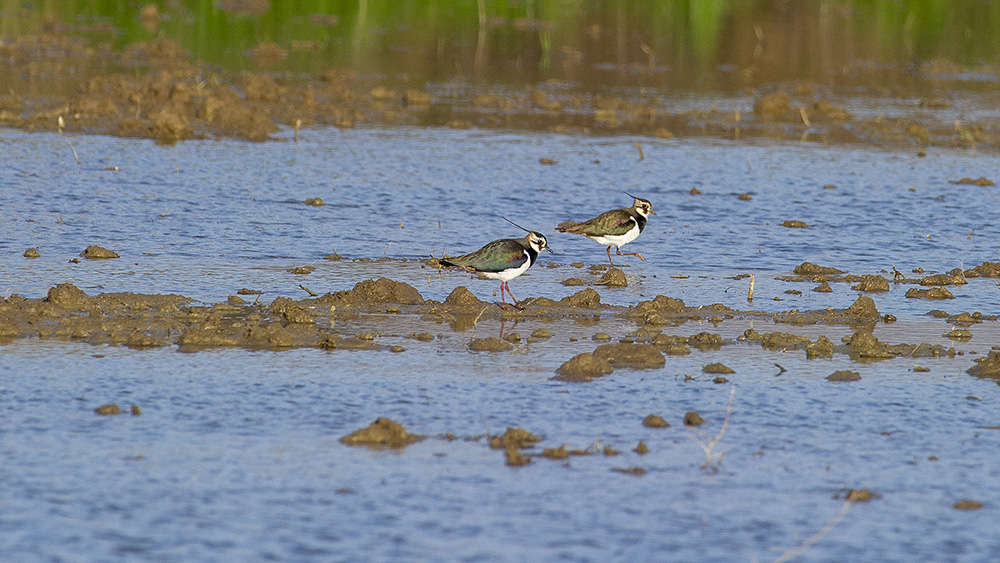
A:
x,y
515,224
630,195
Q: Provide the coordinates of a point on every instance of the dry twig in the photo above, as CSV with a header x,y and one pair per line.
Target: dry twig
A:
x,y
709,443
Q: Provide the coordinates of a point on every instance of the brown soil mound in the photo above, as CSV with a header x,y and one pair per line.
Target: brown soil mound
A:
x,y
583,367
381,433
636,356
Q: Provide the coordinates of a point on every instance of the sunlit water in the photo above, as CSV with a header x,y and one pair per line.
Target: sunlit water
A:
x,y
236,455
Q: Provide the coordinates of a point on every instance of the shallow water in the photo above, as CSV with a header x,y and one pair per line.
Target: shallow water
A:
x,y
236,453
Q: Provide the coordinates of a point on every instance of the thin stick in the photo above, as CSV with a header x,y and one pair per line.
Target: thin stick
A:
x,y
475,323
638,147
710,445
750,293
309,291
72,149
796,551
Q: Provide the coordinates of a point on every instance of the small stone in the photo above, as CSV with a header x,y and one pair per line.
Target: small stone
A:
x,y
641,448
31,253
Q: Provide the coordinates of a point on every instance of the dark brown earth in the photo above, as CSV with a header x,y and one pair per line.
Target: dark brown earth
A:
x,y
381,433
156,90
655,421
145,321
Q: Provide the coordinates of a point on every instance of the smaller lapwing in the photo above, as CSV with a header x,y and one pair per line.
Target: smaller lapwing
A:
x,y
614,228
503,259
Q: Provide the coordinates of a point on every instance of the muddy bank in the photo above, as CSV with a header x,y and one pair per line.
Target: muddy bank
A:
x,y
147,321
156,90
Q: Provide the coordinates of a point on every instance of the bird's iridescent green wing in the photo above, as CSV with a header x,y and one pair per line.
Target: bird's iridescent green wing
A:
x,y
496,256
614,223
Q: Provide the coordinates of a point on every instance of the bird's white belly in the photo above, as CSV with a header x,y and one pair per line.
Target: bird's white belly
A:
x,y
619,240
511,273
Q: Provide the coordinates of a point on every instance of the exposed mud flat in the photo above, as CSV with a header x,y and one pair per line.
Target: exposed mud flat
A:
x,y
155,90
149,321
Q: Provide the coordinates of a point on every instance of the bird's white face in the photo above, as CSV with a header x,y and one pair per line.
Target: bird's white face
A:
x,y
643,207
538,242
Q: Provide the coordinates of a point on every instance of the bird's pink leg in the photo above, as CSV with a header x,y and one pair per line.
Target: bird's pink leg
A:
x,y
516,304
620,253
609,257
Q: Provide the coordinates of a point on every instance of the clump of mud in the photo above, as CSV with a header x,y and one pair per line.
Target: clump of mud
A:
x,y
95,252
859,495
692,418
107,410
655,421
957,278
514,458
810,269
984,270
489,344
112,409
967,504
844,375
372,292
381,433
462,297
583,367
583,299
933,293
776,340
514,438
717,368
872,284
613,278
822,348
635,356
864,346
862,311
987,367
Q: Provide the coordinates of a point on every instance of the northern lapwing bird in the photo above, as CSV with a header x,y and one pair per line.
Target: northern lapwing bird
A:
x,y
503,260
614,228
